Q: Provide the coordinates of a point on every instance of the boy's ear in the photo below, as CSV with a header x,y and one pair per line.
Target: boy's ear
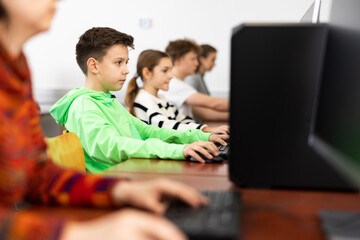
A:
x,y
92,65
146,73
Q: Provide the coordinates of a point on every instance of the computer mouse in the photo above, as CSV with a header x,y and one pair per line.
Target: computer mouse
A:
x,y
215,159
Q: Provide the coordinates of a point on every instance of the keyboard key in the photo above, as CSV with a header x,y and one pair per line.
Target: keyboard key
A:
x,y
224,150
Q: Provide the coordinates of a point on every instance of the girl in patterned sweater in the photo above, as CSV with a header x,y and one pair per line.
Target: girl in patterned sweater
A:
x,y
154,68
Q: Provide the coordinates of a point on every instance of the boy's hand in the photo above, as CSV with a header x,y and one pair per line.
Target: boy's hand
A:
x,y
223,129
203,147
124,224
150,194
219,138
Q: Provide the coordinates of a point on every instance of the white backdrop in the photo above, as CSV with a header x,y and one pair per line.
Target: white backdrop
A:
x,y
52,55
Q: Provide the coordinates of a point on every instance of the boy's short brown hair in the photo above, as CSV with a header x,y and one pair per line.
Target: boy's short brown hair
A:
x,y
178,48
96,41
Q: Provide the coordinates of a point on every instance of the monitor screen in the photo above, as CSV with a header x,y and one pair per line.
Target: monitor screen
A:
x,y
336,131
312,15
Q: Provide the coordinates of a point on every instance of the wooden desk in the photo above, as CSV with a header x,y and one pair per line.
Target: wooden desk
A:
x,y
200,176
267,214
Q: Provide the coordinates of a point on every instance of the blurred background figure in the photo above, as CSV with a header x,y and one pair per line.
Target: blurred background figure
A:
x,y
184,54
206,58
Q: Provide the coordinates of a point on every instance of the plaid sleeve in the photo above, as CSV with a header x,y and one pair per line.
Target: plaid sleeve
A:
x,y
28,226
26,172
49,184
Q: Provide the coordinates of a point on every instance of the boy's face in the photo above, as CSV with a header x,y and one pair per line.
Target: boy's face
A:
x,y
112,70
188,63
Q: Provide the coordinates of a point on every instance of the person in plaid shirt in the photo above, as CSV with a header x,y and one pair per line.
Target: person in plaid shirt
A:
x,y
28,174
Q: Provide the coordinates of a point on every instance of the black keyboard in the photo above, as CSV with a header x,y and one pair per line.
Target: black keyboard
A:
x,y
224,151
219,220
340,224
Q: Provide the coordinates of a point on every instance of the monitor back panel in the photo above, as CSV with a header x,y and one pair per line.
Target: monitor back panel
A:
x,y
275,72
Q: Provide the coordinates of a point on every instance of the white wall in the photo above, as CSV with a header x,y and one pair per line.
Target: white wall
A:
x,y
52,54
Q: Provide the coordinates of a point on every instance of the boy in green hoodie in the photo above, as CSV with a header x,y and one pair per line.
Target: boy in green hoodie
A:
x,y
108,132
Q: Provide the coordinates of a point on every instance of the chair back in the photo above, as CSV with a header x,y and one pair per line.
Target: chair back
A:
x,y
66,150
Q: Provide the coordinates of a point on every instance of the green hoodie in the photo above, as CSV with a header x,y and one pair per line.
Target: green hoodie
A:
x,y
109,134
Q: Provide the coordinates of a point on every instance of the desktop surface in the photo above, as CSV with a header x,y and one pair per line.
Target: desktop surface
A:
x,y
266,214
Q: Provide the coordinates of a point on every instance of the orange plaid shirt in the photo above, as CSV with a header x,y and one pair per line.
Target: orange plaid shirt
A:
x,y
26,173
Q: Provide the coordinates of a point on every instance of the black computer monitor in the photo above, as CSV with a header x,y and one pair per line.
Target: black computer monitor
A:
x,y
335,133
275,71
336,130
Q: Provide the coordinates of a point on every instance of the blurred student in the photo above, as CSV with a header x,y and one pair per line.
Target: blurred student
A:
x,y
154,69
28,174
206,61
108,133
184,53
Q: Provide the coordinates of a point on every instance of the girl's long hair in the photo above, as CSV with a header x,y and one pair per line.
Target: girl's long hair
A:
x,y
205,50
147,59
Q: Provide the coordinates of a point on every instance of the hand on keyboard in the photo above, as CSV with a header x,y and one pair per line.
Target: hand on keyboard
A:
x,y
223,129
219,138
208,150
214,159
157,191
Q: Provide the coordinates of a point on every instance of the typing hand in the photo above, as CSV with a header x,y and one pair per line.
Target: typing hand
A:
x,y
223,129
219,138
208,149
150,194
124,224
